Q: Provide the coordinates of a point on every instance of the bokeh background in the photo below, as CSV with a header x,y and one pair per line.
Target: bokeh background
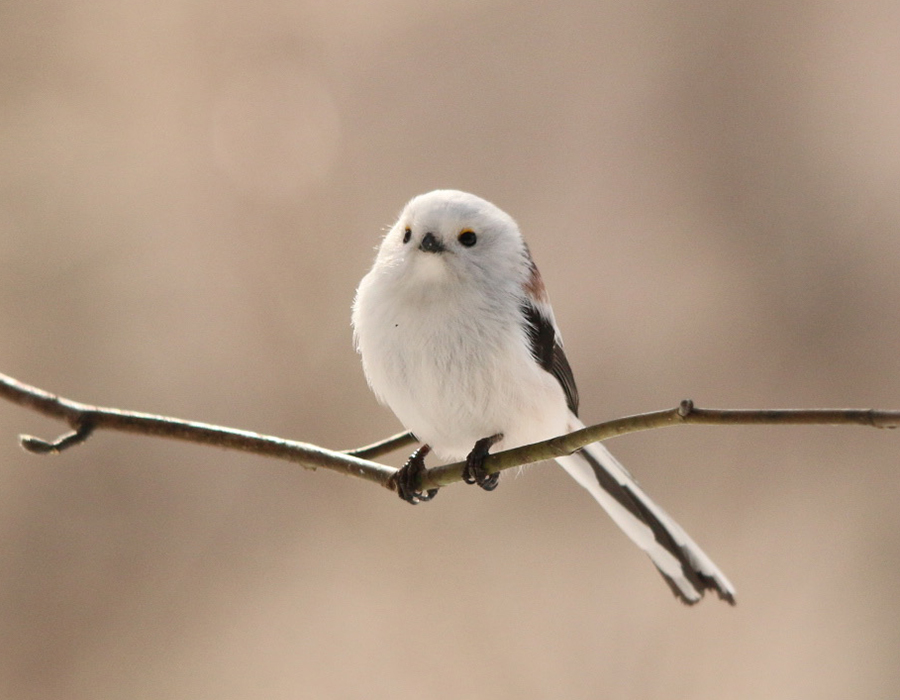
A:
x,y
189,193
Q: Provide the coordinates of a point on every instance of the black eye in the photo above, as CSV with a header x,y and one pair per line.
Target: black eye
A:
x,y
407,234
468,238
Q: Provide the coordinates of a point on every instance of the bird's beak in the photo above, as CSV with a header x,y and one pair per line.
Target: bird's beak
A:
x,y
431,244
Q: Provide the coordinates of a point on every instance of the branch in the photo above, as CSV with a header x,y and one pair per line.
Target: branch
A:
x,y
85,419
685,414
383,447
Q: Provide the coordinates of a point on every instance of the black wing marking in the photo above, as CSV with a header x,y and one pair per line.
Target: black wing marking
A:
x,y
630,501
548,352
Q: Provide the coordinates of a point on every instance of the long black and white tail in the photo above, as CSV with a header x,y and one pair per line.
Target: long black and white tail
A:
x,y
684,566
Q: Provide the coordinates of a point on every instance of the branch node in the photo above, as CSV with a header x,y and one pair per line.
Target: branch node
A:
x,y
685,408
391,482
875,419
38,446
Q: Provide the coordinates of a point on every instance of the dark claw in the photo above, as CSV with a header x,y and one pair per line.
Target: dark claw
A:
x,y
407,478
474,473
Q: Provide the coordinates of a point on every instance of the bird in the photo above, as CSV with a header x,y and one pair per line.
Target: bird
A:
x,y
457,337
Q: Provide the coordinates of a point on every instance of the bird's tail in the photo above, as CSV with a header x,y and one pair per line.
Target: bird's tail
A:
x,y
685,567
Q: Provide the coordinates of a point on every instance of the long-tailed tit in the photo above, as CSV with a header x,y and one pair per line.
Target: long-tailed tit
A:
x,y
457,337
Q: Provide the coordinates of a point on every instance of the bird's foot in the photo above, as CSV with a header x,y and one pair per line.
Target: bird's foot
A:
x,y
474,472
407,478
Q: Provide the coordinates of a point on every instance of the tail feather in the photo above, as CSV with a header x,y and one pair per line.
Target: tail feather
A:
x,y
685,567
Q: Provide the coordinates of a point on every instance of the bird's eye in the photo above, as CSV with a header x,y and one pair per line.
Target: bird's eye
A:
x,y
407,234
468,238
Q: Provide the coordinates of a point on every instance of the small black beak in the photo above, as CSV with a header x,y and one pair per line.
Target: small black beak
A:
x,y
431,244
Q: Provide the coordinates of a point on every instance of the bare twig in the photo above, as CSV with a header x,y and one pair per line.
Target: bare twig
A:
x,y
383,447
85,419
685,414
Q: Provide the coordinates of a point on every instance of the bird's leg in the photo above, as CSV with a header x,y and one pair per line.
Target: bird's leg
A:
x,y
474,473
407,478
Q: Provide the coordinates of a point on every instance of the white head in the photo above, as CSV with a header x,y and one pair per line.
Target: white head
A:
x,y
448,237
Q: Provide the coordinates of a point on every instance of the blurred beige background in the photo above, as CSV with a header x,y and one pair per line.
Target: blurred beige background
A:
x,y
189,193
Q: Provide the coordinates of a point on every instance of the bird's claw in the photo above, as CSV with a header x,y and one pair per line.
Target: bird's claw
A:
x,y
408,476
474,471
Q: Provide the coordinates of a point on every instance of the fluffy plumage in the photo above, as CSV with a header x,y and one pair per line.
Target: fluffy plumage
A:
x,y
457,337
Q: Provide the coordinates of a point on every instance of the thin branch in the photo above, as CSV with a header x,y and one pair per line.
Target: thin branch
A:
x,y
383,447
685,414
85,419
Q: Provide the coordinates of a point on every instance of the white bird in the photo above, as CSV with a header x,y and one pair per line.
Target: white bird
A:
x,y
458,338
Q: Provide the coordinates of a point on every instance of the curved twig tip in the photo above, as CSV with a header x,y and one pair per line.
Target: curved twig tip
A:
x,y
36,445
39,446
